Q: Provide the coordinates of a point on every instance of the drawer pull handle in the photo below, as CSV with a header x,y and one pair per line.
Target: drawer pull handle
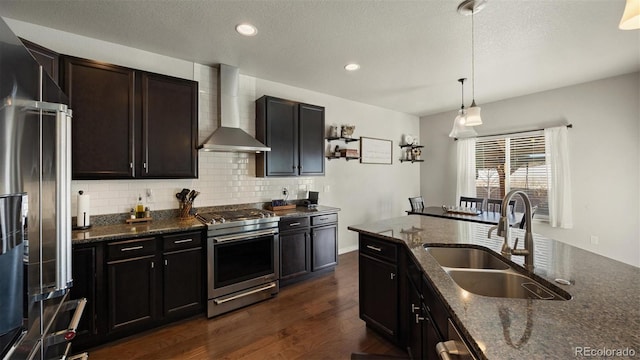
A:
x,y
294,224
182,241
132,248
250,292
374,248
323,218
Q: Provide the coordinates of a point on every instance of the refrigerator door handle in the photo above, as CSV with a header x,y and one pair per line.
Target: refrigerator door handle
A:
x,y
63,196
63,185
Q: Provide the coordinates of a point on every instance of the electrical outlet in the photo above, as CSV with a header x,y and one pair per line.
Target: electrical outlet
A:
x,y
594,240
327,188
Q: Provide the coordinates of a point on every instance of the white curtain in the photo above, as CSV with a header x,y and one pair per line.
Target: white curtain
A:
x,y
559,177
466,159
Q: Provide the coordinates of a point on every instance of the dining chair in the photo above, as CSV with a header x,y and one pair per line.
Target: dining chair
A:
x,y
523,222
417,203
495,205
471,202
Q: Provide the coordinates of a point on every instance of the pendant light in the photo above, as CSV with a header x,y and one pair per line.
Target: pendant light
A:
x,y
631,16
459,129
470,7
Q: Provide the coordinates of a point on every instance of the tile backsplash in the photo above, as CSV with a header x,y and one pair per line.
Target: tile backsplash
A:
x,y
223,178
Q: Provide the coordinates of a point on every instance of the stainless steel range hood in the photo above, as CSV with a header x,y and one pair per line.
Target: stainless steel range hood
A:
x,y
229,137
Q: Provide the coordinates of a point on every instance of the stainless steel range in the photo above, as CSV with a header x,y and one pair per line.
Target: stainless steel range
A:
x,y
242,258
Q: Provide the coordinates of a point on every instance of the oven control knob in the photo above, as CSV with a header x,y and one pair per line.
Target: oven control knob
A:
x,y
261,215
222,220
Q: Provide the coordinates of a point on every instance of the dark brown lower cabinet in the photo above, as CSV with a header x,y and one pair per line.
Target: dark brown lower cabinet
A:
x,y
379,295
183,288
87,262
136,284
308,247
325,247
406,310
294,254
422,332
132,288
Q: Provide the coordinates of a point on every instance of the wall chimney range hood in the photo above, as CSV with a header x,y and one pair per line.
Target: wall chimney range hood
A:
x,y
228,137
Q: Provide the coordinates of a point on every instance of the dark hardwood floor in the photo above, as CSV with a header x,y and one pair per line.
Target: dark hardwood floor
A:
x,y
317,319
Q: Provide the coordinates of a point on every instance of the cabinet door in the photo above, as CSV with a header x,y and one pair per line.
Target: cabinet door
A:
x,y
294,254
84,273
183,290
102,99
49,59
132,293
311,144
169,127
277,127
324,247
379,295
430,337
415,316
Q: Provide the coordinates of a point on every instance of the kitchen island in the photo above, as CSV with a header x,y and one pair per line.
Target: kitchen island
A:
x,y
602,317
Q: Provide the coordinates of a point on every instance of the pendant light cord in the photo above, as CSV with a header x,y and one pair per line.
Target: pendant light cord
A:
x,y
462,93
473,61
461,81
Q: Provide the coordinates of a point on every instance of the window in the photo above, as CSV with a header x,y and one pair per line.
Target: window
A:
x,y
516,162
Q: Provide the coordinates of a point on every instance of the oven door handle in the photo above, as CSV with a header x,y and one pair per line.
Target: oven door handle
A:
x,y
224,300
243,236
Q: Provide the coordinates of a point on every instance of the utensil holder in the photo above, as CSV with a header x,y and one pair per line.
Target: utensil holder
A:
x,y
185,211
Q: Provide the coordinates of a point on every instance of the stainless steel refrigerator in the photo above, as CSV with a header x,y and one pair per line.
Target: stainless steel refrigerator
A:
x,y
35,218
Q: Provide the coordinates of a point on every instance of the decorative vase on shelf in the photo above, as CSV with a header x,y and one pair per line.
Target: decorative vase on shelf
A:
x,y
333,131
347,131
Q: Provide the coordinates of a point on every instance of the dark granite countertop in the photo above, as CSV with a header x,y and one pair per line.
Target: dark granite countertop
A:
x,y
604,312
304,211
127,231
122,230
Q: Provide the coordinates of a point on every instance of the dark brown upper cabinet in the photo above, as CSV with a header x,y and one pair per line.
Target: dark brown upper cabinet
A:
x,y
169,127
295,133
49,59
130,124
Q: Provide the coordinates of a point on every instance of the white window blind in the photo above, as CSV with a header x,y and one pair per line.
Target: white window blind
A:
x,y
513,162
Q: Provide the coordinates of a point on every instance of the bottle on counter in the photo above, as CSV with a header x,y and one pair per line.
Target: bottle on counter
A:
x,y
147,212
139,208
132,215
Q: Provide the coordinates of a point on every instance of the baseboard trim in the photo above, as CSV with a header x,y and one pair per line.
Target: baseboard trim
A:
x,y
347,249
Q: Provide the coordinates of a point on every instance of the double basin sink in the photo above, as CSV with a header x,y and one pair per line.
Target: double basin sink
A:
x,y
482,272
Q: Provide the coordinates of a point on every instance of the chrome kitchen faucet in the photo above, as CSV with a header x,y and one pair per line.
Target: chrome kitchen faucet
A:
x,y
503,230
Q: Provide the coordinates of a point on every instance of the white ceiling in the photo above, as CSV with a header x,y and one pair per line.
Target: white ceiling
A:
x,y
411,52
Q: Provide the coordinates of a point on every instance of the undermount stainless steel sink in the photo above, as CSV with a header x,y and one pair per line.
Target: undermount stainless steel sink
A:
x,y
463,257
504,284
482,272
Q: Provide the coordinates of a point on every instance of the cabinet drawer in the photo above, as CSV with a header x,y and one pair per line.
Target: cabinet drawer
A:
x,y
378,248
293,223
131,248
324,219
182,241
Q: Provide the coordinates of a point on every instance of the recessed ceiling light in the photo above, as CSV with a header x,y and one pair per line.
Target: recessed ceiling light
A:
x,y
246,29
352,67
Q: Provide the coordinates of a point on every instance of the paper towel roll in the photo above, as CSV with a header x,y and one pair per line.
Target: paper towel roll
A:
x,y
83,216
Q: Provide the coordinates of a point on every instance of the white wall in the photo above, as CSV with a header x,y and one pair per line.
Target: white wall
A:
x,y
605,158
364,192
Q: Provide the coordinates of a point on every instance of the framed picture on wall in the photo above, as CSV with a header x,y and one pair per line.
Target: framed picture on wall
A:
x,y
376,151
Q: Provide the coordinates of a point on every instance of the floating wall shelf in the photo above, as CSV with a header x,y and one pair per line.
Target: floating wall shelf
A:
x,y
411,146
347,140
